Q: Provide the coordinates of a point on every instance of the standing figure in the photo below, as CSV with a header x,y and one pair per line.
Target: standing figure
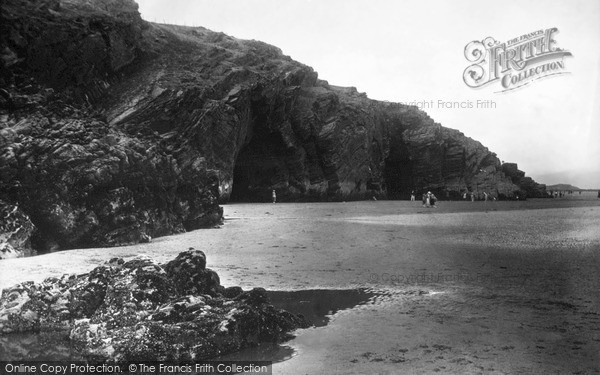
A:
x,y
485,196
274,196
412,196
428,199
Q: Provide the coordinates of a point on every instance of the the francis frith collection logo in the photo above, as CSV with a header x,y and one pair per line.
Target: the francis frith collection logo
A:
x,y
514,63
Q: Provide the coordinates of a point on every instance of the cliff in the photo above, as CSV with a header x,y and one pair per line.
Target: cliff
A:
x,y
114,130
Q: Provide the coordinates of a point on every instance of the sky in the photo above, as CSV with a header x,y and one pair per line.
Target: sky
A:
x,y
414,51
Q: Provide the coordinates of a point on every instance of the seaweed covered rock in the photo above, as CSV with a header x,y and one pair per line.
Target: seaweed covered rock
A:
x,y
140,310
190,275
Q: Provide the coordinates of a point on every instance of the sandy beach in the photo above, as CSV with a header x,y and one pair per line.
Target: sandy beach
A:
x,y
468,287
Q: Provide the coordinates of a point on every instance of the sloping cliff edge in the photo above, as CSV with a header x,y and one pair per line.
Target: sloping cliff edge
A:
x,y
114,130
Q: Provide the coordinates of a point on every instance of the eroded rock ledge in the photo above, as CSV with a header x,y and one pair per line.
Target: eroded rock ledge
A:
x,y
141,310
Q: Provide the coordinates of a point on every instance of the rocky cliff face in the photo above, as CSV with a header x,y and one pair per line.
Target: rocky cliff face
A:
x,y
529,188
114,130
15,232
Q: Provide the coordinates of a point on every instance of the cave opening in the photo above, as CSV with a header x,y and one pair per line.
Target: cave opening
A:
x,y
398,173
260,165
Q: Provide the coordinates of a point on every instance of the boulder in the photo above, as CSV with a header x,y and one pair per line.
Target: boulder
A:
x,y
117,311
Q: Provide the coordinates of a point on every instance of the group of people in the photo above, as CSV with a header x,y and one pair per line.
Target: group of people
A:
x,y
486,196
429,199
471,194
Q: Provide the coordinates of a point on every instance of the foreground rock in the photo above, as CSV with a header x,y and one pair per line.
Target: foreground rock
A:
x,y
140,310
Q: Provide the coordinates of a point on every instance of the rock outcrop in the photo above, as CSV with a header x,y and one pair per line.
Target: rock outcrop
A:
x,y
117,311
114,130
81,181
15,232
527,186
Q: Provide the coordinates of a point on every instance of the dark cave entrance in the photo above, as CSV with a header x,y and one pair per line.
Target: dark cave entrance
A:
x,y
398,173
260,165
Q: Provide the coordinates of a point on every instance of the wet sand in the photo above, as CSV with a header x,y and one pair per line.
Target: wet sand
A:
x,y
469,287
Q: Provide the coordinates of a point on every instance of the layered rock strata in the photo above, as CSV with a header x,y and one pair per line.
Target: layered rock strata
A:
x,y
114,130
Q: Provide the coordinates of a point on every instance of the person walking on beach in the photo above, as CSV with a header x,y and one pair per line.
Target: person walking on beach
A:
x,y
412,196
472,197
274,196
424,199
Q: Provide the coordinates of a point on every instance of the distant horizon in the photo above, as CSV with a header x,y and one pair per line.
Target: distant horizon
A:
x,y
553,178
577,187
549,128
